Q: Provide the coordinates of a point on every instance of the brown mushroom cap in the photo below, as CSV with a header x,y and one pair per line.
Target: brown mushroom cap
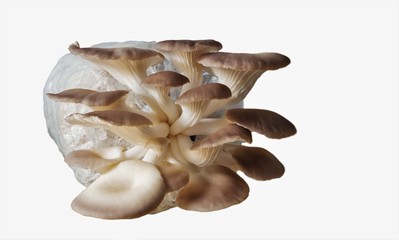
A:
x,y
207,91
213,188
165,79
188,45
256,162
127,53
88,97
244,61
114,117
230,133
265,122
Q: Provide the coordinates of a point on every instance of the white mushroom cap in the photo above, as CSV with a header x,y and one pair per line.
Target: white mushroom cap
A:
x,y
96,160
239,71
130,190
265,122
194,103
184,53
212,188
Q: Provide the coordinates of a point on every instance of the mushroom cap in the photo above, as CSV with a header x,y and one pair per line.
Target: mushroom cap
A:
x,y
131,189
129,53
230,133
213,188
165,79
256,162
88,97
244,61
262,121
188,45
89,159
207,91
113,117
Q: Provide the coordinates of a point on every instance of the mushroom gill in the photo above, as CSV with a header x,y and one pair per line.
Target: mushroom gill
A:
x,y
180,155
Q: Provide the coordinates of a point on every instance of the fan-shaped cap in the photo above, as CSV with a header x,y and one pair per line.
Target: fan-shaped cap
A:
x,y
131,189
208,91
127,53
165,79
244,61
88,97
256,162
262,121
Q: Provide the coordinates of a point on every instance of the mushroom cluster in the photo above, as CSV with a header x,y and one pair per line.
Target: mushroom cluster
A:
x,y
187,149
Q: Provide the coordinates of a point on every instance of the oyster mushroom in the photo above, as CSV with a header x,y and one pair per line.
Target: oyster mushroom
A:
x,y
195,102
99,101
181,155
265,122
131,189
239,71
97,160
203,152
184,54
127,65
159,85
96,100
255,162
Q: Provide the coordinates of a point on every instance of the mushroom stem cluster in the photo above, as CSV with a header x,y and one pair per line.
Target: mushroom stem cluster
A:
x,y
180,149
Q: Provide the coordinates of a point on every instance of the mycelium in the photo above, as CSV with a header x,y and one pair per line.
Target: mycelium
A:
x,y
164,146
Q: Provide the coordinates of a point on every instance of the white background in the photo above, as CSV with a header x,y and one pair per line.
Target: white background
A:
x,y
341,91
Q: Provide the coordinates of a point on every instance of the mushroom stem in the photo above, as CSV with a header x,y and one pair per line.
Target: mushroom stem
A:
x,y
195,75
200,157
206,126
191,114
170,109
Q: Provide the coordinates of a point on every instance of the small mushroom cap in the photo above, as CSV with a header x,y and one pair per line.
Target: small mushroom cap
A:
x,y
188,45
230,133
175,176
113,117
128,53
207,91
131,189
165,79
89,159
256,162
265,122
244,61
88,97
213,188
